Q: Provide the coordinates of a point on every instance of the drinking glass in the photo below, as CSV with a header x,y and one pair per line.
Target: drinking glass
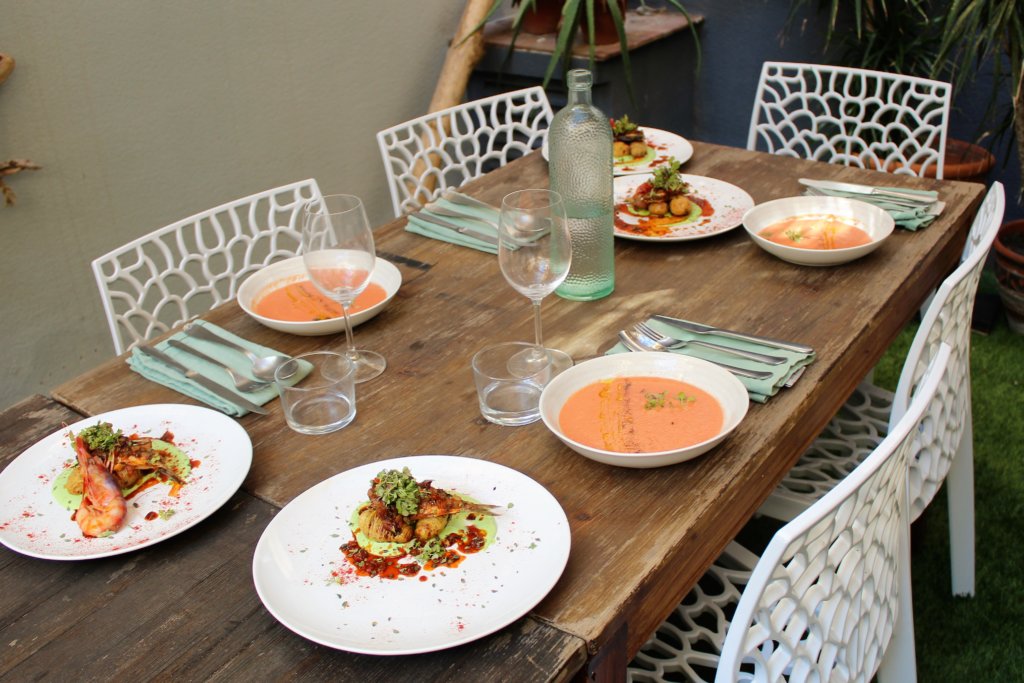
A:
x,y
534,253
337,250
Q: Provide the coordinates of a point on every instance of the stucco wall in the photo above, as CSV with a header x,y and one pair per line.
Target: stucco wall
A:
x,y
144,112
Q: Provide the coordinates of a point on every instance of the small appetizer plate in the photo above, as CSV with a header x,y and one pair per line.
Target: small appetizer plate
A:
x,y
726,206
730,393
292,270
661,145
877,223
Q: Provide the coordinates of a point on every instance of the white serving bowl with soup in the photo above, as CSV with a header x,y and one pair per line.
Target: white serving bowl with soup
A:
x,y
818,231
643,409
281,297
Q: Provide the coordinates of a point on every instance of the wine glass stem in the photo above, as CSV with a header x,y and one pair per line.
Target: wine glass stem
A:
x,y
350,347
538,335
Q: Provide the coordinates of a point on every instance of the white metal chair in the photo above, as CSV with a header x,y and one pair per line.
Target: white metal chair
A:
x,y
867,416
829,598
853,117
188,267
444,149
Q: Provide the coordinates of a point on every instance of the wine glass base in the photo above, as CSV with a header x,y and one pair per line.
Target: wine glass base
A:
x,y
526,363
560,361
369,365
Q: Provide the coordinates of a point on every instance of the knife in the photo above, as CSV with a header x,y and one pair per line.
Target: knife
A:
x,y
204,382
633,344
466,200
438,210
707,329
853,188
462,229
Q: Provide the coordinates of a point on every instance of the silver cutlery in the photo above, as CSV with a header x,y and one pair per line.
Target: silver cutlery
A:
x,y
466,200
795,376
635,342
263,367
853,188
461,229
673,343
204,382
241,383
438,210
708,329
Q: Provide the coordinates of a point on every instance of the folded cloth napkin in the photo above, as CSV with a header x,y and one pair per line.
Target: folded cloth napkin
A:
x,y
760,390
427,229
153,369
906,216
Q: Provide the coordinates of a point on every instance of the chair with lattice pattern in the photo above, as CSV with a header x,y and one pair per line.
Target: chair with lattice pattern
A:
x,y
188,267
444,149
829,598
853,117
866,417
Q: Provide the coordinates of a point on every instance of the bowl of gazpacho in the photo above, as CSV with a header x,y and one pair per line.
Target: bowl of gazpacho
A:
x,y
645,409
818,231
282,297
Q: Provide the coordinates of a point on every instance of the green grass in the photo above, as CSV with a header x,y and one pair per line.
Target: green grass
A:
x,y
979,638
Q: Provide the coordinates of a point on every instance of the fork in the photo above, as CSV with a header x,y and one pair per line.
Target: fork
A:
x,y
241,383
637,342
672,343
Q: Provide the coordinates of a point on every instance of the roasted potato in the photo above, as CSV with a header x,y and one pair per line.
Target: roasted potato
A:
x,y
679,205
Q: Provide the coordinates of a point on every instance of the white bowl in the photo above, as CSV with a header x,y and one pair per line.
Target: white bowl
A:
x,y
869,218
727,390
285,272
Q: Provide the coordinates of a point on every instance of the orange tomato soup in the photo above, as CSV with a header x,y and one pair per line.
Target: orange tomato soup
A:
x,y
815,232
302,302
641,415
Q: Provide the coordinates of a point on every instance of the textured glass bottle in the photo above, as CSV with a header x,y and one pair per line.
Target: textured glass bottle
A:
x,y
580,165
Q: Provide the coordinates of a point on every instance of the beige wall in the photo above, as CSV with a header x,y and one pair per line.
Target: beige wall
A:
x,y
142,112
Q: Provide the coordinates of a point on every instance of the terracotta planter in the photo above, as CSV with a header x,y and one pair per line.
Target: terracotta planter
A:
x,y
543,17
604,24
1009,247
965,161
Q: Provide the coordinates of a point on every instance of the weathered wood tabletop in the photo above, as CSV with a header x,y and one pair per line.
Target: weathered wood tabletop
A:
x,y
640,538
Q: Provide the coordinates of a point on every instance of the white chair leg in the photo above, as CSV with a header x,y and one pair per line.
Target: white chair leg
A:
x,y
899,665
960,494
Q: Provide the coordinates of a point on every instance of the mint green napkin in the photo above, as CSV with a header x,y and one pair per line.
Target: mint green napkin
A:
x,y
158,372
421,227
760,390
906,217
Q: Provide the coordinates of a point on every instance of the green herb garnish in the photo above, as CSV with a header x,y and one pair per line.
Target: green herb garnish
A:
x,y
432,550
654,401
101,437
398,489
667,177
794,235
622,126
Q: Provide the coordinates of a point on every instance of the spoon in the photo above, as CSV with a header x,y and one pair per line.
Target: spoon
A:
x,y
263,367
241,383
637,342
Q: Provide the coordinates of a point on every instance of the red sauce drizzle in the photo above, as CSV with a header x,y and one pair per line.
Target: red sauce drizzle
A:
x,y
472,540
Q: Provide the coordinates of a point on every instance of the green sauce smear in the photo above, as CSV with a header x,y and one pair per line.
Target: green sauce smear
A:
x,y
628,159
694,214
70,501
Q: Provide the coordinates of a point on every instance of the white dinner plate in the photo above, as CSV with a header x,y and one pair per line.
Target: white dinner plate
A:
x,y
728,204
305,582
661,145
33,523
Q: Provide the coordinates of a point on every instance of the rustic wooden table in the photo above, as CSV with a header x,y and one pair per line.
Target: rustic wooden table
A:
x,y
640,538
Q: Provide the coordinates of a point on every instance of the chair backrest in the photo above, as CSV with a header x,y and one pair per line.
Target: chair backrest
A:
x,y
823,600
444,149
853,117
948,320
188,267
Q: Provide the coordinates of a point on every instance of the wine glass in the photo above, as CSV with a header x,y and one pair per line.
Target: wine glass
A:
x,y
337,250
534,253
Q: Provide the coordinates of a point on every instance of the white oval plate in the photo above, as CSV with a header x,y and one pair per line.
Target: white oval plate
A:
x,y
305,582
723,385
661,145
282,273
729,203
33,523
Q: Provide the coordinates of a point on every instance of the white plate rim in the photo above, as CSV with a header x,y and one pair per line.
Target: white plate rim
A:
x,y
681,146
187,422
555,550
385,274
724,220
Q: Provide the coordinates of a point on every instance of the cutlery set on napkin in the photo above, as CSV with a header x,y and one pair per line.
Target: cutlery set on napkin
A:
x,y
762,364
195,367
911,209
458,219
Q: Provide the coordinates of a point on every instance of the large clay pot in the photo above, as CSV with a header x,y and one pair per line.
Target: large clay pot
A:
x,y
604,24
542,17
965,161
1009,247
